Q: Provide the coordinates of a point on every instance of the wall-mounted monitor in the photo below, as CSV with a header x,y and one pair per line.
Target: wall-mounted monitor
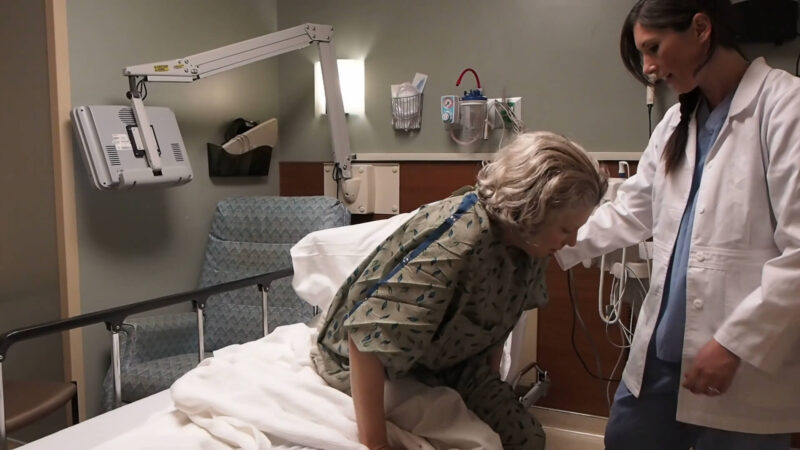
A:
x,y
113,154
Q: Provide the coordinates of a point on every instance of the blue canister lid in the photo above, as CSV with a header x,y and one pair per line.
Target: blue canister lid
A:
x,y
473,94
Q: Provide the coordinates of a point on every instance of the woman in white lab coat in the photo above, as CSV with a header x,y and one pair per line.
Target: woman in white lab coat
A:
x,y
715,361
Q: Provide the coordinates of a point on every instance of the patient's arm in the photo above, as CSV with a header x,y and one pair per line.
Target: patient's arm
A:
x,y
366,384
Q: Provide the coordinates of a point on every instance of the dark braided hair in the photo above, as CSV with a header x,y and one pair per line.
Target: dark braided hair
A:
x,y
677,15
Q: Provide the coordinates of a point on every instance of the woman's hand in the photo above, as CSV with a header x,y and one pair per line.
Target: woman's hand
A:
x,y
712,370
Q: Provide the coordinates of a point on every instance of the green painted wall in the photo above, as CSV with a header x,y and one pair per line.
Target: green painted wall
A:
x,y
561,56
142,244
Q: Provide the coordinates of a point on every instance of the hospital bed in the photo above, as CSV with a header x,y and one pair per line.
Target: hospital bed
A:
x,y
264,394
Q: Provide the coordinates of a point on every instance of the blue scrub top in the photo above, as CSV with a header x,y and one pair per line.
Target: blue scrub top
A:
x,y
672,318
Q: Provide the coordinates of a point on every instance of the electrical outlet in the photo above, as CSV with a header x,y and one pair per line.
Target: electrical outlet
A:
x,y
498,117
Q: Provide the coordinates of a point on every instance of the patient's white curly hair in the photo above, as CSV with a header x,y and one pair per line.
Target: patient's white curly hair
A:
x,y
538,173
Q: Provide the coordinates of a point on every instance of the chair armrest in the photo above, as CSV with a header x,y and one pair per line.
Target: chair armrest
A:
x,y
149,338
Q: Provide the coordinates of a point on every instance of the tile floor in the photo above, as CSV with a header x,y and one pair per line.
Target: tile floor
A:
x,y
571,431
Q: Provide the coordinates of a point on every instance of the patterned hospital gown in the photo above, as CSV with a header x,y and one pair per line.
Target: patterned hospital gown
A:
x,y
443,312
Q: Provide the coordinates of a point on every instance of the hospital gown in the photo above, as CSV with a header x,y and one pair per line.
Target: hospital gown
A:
x,y
439,317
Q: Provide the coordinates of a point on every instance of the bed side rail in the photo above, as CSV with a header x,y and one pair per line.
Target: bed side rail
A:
x,y
113,318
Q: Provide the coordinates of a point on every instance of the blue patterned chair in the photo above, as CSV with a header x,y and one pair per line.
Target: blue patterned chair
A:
x,y
249,236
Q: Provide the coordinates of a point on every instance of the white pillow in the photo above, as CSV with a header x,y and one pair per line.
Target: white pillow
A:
x,y
324,259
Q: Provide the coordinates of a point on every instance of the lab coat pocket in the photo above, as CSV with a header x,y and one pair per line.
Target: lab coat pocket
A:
x,y
738,285
742,276
771,388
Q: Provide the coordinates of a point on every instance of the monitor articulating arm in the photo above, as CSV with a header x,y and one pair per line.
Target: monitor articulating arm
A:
x,y
212,62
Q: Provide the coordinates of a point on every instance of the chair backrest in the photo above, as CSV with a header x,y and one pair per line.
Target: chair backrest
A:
x,y
250,236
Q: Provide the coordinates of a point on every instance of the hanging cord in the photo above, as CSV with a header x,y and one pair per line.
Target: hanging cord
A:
x,y
505,112
137,88
336,175
650,99
141,87
617,302
576,317
616,366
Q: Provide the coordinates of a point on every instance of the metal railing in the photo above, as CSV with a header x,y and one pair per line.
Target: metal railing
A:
x,y
114,317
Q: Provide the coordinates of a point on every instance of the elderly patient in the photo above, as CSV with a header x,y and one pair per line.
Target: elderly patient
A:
x,y
437,299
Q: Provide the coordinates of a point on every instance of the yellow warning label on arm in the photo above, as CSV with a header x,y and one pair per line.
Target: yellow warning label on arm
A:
x,y
161,68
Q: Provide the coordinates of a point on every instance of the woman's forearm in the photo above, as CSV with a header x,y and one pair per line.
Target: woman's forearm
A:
x,y
366,384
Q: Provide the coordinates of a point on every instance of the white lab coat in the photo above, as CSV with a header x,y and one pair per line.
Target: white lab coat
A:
x,y
743,280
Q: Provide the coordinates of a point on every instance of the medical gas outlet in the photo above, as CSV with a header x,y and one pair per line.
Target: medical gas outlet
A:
x,y
470,117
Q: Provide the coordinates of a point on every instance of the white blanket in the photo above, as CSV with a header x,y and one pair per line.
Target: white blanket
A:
x,y
265,394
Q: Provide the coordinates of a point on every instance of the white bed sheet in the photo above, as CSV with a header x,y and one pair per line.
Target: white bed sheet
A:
x,y
266,395
102,428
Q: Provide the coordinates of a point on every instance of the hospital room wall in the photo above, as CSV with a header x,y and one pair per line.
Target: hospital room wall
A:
x,y
561,56
29,290
140,244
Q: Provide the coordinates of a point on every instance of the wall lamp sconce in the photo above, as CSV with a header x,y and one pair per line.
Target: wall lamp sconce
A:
x,y
351,81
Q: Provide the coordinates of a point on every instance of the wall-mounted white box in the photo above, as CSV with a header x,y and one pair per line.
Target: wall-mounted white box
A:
x,y
373,188
496,116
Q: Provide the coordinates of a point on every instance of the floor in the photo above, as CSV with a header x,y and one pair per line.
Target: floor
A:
x,y
571,431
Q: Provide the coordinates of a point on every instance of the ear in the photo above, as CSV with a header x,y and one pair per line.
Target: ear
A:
x,y
701,26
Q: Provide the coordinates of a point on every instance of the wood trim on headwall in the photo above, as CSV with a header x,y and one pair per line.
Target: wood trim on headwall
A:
x,y
64,186
301,178
425,182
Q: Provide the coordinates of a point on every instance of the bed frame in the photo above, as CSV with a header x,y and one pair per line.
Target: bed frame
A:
x,y
114,317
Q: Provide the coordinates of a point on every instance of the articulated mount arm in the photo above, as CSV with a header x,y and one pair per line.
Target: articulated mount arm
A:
x,y
231,56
